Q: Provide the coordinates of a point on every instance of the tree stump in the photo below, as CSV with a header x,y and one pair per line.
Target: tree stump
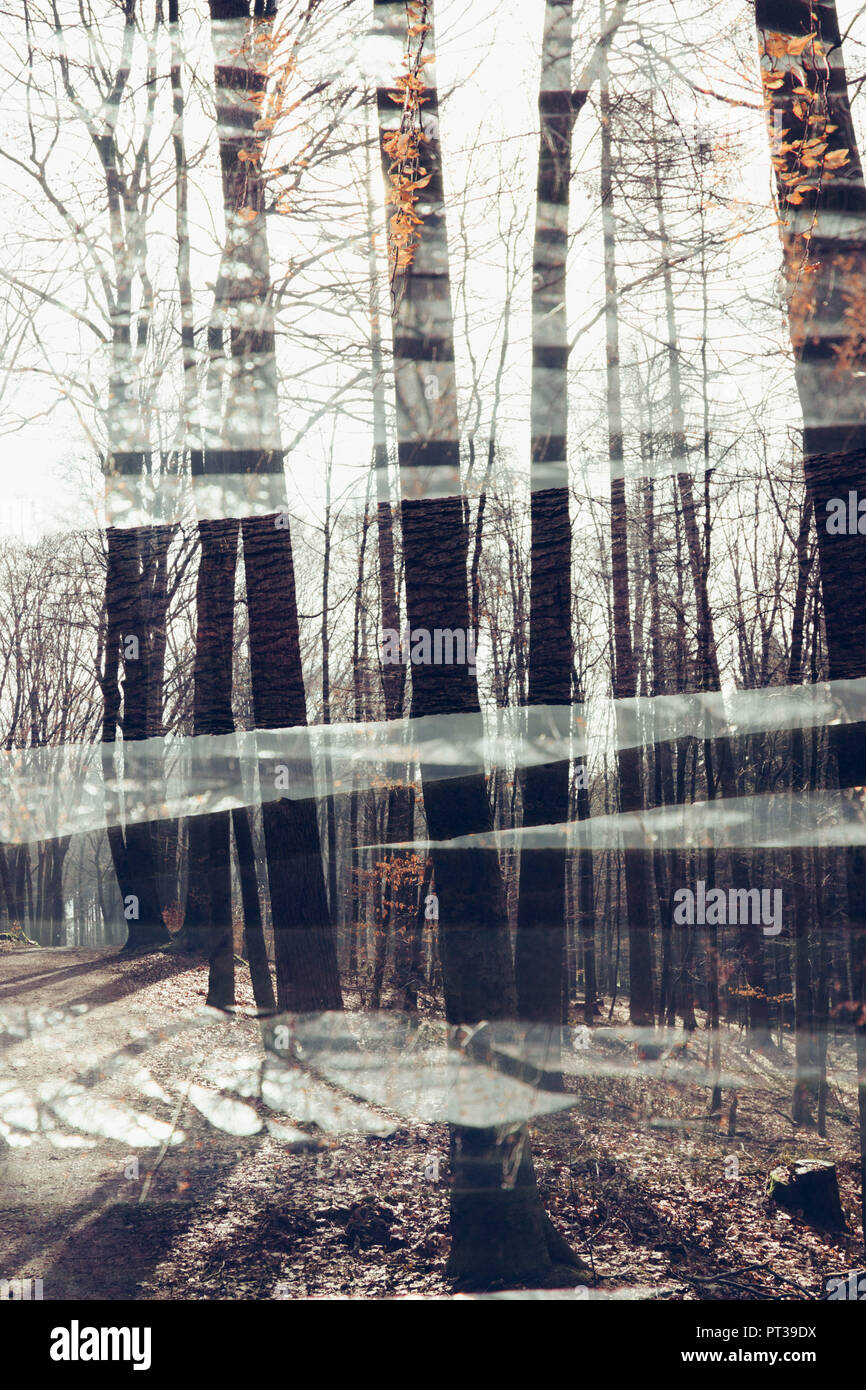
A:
x,y
811,1187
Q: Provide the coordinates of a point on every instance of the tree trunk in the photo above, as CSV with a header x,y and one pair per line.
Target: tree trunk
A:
x,y
305,950
126,640
490,1245
208,918
540,941
641,1009
823,227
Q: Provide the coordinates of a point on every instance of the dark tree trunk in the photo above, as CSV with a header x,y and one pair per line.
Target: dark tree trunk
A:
x,y
805,1089
208,919
824,227
360,702
641,1008
540,944
126,642
496,1237
398,900
304,946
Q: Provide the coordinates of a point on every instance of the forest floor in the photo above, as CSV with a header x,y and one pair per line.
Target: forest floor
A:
x,y
114,1185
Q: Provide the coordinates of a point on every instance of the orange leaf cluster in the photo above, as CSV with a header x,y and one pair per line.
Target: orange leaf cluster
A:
x,y
406,174
803,163
269,51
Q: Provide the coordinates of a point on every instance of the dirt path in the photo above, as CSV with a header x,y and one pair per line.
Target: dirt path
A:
x,y
71,1210
89,1093
138,1160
